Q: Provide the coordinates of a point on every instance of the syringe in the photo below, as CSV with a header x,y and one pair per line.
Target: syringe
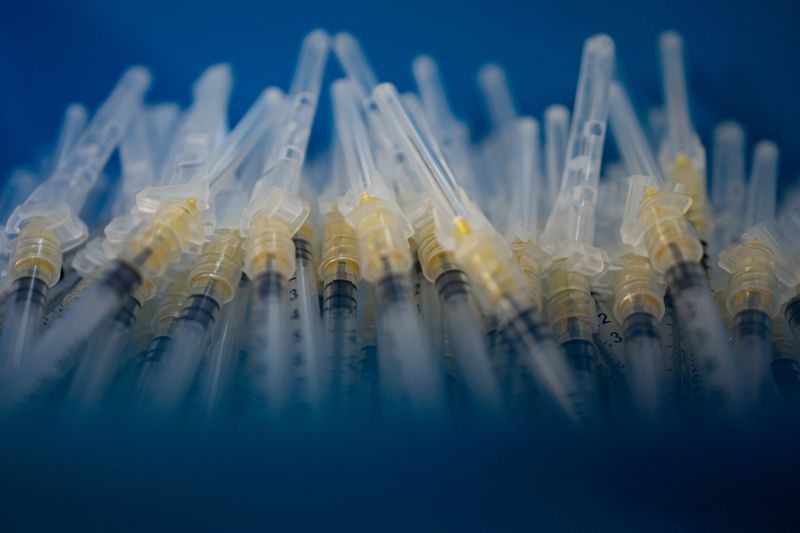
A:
x,y
500,285
48,222
274,214
215,275
655,216
409,373
21,182
171,221
339,271
753,292
682,157
95,370
464,341
569,233
638,288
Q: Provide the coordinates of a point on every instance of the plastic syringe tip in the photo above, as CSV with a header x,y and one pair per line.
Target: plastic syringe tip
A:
x,y
354,62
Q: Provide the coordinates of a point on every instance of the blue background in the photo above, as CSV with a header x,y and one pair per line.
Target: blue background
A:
x,y
742,54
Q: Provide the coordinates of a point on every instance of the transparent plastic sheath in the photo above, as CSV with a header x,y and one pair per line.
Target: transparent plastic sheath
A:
x,y
524,153
74,123
629,134
353,138
572,217
451,134
762,189
728,185
61,197
354,62
303,96
497,95
424,155
681,138
186,171
244,136
556,133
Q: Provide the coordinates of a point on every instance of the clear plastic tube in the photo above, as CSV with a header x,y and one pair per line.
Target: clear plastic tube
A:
x,y
497,95
705,334
556,133
646,366
305,322
465,335
410,375
268,361
216,384
97,368
680,134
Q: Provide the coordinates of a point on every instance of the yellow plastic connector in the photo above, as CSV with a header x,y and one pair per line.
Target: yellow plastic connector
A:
x,y
752,285
433,258
685,172
219,268
528,257
37,253
339,250
269,247
638,288
383,246
668,236
499,284
571,309
160,241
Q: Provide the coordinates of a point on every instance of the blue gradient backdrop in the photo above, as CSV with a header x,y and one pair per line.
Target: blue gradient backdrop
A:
x,y
743,55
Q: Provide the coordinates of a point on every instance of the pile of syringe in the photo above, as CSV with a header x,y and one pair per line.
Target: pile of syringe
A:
x,y
407,273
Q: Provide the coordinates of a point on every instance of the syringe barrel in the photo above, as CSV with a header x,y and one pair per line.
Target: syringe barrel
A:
x,y
792,316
